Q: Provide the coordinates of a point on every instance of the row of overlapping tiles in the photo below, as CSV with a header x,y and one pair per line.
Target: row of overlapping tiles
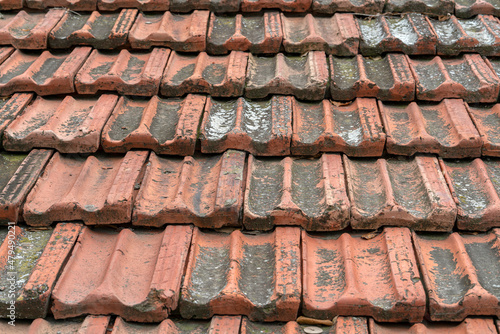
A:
x,y
265,33
313,76
327,193
146,275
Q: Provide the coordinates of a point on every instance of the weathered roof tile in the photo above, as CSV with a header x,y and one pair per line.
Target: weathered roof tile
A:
x,y
350,6
80,5
351,325
469,8
11,4
283,5
487,121
144,5
223,6
468,326
12,107
441,7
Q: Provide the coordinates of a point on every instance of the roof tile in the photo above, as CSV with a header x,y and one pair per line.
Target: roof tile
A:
x,y
219,76
19,174
69,125
223,6
11,4
469,8
81,5
388,78
305,77
253,275
443,128
352,325
399,192
90,325
135,274
283,5
307,192
28,30
180,32
205,190
350,6
100,30
461,274
336,35
259,33
468,326
98,189
260,127
12,107
346,274
167,126
5,52
130,73
46,73
143,5
487,121
476,191
441,7
39,257
354,129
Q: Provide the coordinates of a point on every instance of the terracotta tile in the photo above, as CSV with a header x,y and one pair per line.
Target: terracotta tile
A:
x,y
466,77
143,5
258,33
408,33
408,192
469,8
28,30
468,326
32,275
204,190
442,7
487,121
5,52
222,6
19,174
45,74
100,30
443,128
11,4
240,274
350,6
12,107
388,78
219,76
180,32
166,126
354,129
475,189
305,77
307,192
460,272
128,73
134,274
90,325
348,275
99,189
80,5
351,325
283,5
260,127
217,325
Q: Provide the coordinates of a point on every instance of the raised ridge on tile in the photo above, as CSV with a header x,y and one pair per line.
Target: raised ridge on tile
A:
x,y
345,274
143,5
11,4
467,77
408,33
219,76
99,189
443,128
354,129
5,52
350,6
179,32
460,272
69,124
135,274
434,7
166,126
28,30
387,78
470,8
486,118
242,274
283,5
258,33
291,191
12,107
90,325
128,73
30,265
305,77
100,30
19,174
342,325
80,5
47,73
468,326
216,325
205,190
261,127
475,186
222,6
409,192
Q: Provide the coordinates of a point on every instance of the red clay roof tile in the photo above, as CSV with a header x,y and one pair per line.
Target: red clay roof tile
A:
x,y
283,5
205,190
90,325
11,4
351,6
347,274
39,257
240,274
487,121
166,126
223,6
307,192
81,5
5,52
144,5
468,326
342,325
99,189
69,125
444,129
134,274
258,33
469,8
441,7
180,32
12,107
461,273
259,127
354,129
